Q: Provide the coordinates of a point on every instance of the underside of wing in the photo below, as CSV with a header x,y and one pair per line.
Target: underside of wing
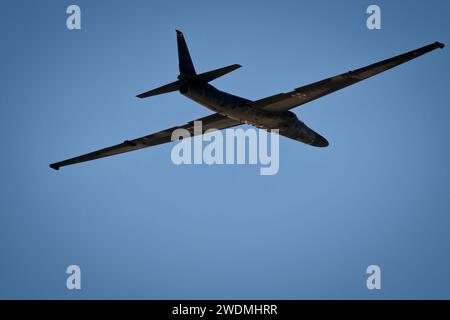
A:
x,y
214,121
302,95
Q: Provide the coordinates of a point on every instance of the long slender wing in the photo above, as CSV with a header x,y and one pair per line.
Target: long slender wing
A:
x,y
302,95
214,121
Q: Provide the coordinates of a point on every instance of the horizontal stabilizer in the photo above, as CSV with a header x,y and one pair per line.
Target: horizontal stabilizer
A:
x,y
173,86
214,74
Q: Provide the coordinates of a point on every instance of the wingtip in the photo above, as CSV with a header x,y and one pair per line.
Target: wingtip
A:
x,y
179,33
54,166
439,44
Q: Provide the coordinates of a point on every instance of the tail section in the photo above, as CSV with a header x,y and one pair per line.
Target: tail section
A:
x,y
187,71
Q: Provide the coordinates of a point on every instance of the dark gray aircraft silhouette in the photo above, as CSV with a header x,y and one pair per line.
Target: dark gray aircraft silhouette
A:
x,y
230,110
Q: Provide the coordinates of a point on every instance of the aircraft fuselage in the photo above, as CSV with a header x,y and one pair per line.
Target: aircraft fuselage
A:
x,y
239,109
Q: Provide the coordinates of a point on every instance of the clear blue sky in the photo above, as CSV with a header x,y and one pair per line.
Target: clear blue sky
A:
x,y
141,227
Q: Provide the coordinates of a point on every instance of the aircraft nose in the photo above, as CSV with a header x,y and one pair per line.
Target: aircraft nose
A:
x,y
320,141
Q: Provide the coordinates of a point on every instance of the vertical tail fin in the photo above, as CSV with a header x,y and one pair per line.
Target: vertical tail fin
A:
x,y
184,58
